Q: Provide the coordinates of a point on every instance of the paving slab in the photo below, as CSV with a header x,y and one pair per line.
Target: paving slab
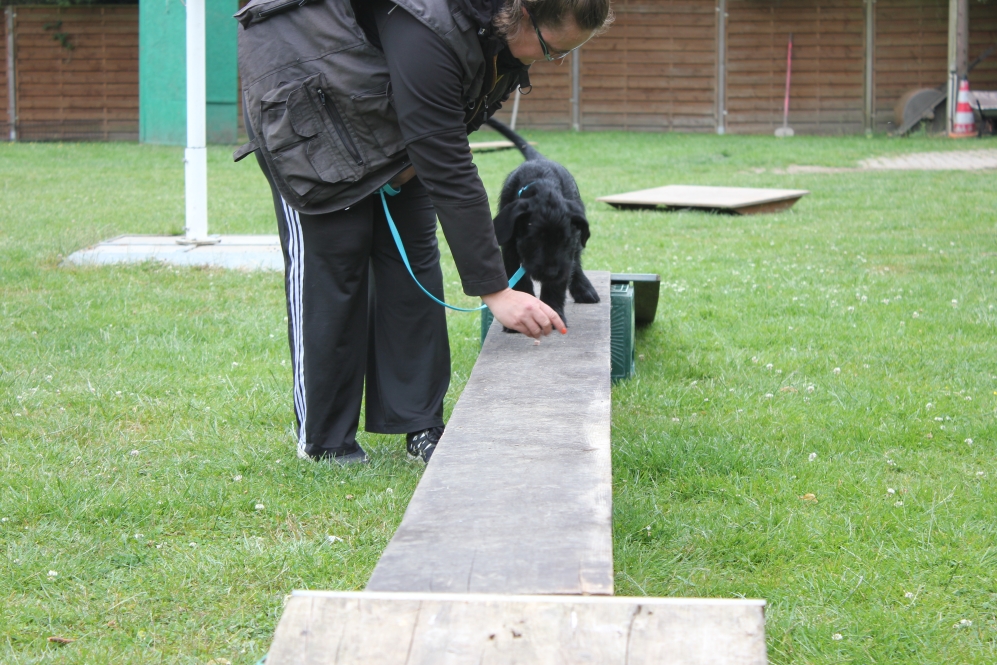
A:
x,y
243,252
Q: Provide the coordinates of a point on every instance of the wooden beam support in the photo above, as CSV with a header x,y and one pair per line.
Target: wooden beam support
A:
x,y
721,86
351,628
958,52
869,96
518,496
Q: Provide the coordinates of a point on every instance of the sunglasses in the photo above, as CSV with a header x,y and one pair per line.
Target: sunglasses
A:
x,y
560,55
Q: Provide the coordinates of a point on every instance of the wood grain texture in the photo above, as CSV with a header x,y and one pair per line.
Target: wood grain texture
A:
x,y
518,496
827,65
347,628
86,89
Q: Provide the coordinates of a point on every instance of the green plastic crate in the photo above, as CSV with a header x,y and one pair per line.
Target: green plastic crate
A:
x,y
621,315
486,322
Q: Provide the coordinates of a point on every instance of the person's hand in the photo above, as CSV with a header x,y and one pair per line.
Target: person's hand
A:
x,y
523,313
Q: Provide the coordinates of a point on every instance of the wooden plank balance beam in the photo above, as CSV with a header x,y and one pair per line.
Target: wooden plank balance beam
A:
x,y
505,552
518,497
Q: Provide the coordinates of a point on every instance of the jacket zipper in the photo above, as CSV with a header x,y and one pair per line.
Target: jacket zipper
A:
x,y
340,127
282,7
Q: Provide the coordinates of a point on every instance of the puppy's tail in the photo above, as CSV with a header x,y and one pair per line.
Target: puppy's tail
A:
x,y
529,152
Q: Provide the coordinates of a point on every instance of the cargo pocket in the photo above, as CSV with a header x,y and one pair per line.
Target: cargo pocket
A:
x,y
296,124
374,106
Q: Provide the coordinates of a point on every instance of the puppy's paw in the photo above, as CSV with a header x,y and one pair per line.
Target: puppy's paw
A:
x,y
585,294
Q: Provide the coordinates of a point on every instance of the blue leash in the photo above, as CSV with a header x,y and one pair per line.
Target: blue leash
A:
x,y
391,191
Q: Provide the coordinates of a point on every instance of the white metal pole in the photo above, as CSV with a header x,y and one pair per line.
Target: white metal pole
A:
x,y
12,72
196,154
515,110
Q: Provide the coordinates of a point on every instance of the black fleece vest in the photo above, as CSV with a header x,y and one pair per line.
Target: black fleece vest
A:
x,y
318,99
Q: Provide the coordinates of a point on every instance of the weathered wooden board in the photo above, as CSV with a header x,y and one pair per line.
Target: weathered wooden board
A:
x,y
347,628
518,496
743,200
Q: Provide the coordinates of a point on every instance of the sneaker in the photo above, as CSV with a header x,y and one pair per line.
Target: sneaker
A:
x,y
358,456
423,444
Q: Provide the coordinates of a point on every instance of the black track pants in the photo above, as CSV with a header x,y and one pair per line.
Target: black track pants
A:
x,y
354,313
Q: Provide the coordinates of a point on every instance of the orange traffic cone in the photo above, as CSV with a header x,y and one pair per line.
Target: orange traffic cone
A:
x,y
964,124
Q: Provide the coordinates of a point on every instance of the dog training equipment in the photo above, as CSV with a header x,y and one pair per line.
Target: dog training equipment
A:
x,y
505,551
964,124
740,200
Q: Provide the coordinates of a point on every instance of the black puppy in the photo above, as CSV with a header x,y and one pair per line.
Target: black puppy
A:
x,y
541,226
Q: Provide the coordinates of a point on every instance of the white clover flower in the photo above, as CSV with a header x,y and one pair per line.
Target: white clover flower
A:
x,y
812,457
929,405
768,395
915,315
260,506
837,370
968,441
675,420
52,574
890,491
237,478
134,453
837,637
333,539
769,366
909,595
963,623
899,504
193,544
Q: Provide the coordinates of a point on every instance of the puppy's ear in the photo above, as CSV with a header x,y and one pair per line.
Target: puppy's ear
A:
x,y
582,224
507,220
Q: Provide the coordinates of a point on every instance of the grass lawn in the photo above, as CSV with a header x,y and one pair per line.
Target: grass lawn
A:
x,y
812,420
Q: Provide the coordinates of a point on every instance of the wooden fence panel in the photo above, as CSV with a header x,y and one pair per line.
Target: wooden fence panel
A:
x,y
911,51
827,78
655,69
548,104
77,73
983,35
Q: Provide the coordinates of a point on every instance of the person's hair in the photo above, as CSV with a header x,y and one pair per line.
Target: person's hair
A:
x,y
589,15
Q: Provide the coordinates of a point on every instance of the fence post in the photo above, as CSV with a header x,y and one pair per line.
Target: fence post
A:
x,y
576,91
11,72
721,66
870,66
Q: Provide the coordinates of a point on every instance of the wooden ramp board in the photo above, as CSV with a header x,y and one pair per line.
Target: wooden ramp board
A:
x,y
485,146
518,496
741,200
352,628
